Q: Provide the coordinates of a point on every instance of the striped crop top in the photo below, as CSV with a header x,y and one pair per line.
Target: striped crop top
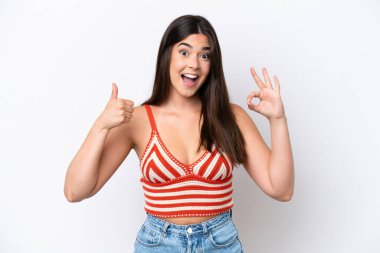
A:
x,y
174,189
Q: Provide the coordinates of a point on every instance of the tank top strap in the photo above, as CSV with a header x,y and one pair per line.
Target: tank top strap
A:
x,y
151,118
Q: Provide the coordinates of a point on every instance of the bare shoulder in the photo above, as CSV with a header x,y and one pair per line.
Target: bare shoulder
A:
x,y
236,109
246,125
139,116
137,123
241,116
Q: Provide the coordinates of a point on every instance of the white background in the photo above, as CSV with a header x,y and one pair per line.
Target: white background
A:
x,y
59,58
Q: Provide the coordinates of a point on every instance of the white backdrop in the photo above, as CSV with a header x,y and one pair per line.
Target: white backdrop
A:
x,y
59,58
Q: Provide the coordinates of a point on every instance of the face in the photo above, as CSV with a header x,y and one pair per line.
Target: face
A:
x,y
189,64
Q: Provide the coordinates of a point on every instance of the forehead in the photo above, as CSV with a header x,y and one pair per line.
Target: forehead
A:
x,y
196,41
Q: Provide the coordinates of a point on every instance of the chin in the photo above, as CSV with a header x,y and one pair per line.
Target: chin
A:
x,y
185,91
189,94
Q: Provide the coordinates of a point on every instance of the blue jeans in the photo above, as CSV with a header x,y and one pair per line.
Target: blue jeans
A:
x,y
218,234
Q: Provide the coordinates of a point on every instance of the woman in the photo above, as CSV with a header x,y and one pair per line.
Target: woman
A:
x,y
188,137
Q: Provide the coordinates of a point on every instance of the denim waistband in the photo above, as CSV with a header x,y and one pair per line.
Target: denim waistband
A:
x,y
166,227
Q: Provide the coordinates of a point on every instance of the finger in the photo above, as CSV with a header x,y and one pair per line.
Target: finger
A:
x,y
252,107
252,95
127,118
267,79
257,79
129,109
128,115
128,102
114,90
277,83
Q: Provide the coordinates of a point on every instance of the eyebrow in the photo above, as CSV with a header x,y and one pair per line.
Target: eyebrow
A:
x,y
188,45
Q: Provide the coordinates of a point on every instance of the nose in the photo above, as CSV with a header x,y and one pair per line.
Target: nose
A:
x,y
193,62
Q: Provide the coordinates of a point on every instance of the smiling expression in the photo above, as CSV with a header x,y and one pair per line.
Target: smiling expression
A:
x,y
189,64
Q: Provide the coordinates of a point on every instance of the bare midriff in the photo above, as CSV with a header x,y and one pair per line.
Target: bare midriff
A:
x,y
188,220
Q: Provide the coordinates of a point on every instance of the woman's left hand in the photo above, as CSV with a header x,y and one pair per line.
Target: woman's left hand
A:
x,y
270,104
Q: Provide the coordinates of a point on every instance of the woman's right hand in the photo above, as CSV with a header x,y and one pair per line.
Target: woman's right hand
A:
x,y
117,111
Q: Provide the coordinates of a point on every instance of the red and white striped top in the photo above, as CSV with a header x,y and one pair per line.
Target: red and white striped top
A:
x,y
174,189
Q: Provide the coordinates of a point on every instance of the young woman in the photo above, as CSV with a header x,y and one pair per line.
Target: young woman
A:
x,y
189,137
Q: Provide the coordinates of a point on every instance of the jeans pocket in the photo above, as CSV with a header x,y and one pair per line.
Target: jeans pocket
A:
x,y
148,237
224,236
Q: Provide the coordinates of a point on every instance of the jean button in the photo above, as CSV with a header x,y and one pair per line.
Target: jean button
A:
x,y
189,230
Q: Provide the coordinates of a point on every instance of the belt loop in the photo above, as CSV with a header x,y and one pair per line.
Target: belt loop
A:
x,y
205,231
164,228
231,213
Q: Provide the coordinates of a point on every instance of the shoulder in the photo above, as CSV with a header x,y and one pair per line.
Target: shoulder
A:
x,y
139,112
236,109
243,119
139,118
137,124
239,113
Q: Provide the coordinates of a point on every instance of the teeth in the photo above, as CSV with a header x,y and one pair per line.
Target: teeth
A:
x,y
191,76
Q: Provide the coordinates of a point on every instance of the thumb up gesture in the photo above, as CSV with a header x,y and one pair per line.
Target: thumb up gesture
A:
x,y
117,111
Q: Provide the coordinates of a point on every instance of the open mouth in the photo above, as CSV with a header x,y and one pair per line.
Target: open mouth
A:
x,y
189,79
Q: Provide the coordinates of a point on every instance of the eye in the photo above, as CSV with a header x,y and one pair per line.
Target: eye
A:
x,y
183,52
205,56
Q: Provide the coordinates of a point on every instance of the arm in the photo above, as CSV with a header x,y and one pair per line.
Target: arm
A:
x,y
104,149
281,165
271,169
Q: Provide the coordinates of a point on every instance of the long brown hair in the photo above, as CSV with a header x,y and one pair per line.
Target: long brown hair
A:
x,y
219,126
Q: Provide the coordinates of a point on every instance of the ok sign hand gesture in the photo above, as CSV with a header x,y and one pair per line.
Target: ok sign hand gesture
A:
x,y
270,104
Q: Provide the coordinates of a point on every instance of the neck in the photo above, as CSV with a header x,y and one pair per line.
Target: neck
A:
x,y
183,104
